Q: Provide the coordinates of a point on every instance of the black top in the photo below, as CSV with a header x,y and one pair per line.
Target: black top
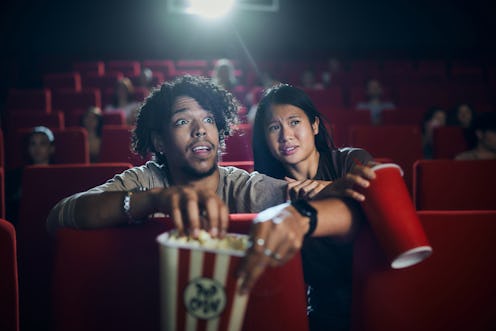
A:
x,y
327,262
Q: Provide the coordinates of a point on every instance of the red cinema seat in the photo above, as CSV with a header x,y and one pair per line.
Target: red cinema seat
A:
x,y
94,67
331,97
238,146
2,149
54,120
431,70
452,290
71,146
341,121
113,118
166,67
128,68
66,80
2,192
454,185
9,286
96,81
122,264
69,101
116,145
448,141
401,143
29,100
42,188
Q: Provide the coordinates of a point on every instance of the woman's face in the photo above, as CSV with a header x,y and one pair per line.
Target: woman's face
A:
x,y
40,149
290,135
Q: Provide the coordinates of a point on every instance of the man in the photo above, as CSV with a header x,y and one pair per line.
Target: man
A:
x,y
184,123
485,131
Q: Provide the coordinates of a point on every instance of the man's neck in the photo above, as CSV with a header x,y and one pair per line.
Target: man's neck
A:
x,y
210,182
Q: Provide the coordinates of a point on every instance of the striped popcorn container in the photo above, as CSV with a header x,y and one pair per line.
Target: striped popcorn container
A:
x,y
198,287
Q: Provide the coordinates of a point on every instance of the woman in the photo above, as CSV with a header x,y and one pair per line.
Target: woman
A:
x,y
92,121
433,118
290,141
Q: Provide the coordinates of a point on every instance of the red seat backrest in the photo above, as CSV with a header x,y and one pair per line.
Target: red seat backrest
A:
x,y
2,192
66,80
29,100
238,146
68,100
401,143
448,141
454,185
42,188
9,290
71,146
122,264
116,145
451,290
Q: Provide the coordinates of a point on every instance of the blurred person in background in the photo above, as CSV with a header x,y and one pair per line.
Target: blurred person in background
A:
x,y
463,115
124,100
485,132
92,121
375,103
224,75
40,151
434,117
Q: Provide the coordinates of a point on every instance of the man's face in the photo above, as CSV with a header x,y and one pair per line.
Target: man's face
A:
x,y
191,140
488,140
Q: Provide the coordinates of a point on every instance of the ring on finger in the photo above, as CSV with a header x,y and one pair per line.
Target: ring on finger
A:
x,y
267,252
276,256
260,242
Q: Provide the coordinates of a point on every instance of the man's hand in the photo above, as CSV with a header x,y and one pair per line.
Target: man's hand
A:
x,y
276,235
192,209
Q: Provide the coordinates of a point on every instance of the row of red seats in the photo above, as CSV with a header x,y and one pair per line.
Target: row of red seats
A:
x,y
411,100
441,184
400,143
424,70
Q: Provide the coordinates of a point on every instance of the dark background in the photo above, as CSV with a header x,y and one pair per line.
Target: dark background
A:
x,y
40,35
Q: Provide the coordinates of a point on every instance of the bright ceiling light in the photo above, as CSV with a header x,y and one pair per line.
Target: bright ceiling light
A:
x,y
210,8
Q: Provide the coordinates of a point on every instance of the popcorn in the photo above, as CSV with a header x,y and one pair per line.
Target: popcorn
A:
x,y
230,242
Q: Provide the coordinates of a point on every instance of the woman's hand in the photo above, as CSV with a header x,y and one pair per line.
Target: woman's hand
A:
x,y
304,189
276,235
360,176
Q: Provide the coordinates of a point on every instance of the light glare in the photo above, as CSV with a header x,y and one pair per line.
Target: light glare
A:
x,y
210,8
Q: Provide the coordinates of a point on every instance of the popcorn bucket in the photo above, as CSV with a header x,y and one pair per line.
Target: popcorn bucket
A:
x,y
392,216
199,290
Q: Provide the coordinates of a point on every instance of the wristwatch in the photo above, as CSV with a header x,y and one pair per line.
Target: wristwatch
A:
x,y
305,209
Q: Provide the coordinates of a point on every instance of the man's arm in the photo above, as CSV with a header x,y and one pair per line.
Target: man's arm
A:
x,y
185,205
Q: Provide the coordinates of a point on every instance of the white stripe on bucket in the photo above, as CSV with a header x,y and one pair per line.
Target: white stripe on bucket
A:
x,y
195,270
170,261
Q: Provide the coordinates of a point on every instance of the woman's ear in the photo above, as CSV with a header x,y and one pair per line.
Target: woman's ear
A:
x,y
315,126
158,142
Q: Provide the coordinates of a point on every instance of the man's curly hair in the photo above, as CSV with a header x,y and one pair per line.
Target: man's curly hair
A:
x,y
155,111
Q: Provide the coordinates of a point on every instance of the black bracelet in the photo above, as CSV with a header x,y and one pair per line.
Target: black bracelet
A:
x,y
305,209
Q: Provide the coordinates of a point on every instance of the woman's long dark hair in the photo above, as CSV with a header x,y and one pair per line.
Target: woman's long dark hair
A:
x,y
283,94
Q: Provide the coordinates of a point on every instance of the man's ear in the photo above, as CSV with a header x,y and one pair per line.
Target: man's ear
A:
x,y
158,142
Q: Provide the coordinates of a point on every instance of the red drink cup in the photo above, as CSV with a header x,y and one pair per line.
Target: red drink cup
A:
x,y
393,218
